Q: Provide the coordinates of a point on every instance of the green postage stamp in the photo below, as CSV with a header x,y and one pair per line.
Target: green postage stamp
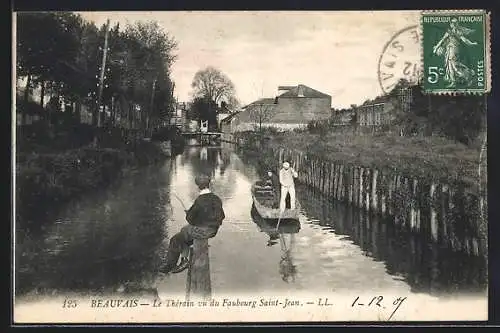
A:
x,y
456,51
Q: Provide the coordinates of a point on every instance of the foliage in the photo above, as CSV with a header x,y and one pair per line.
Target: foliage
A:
x,y
45,58
62,53
148,59
459,118
51,178
211,89
210,83
204,109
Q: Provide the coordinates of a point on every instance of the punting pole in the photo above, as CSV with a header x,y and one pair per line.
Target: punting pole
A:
x,y
279,219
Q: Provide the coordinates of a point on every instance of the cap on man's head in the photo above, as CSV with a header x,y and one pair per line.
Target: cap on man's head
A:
x,y
202,181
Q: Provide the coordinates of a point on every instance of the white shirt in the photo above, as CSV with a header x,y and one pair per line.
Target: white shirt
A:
x,y
287,176
205,191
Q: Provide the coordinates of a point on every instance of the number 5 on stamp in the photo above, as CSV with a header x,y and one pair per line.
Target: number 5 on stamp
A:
x,y
456,51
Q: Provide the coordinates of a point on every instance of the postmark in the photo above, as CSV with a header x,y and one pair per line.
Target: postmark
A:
x,y
456,52
400,59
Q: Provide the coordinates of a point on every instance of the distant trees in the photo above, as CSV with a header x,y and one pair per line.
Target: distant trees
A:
x,y
460,118
211,88
61,53
205,110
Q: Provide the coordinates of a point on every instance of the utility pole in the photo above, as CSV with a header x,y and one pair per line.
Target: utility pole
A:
x,y
103,71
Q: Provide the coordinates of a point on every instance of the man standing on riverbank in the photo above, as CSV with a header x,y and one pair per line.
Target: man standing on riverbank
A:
x,y
287,175
204,217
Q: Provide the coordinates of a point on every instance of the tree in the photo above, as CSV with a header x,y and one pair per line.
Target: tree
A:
x,y
205,110
151,55
62,53
46,60
214,87
459,118
260,112
212,84
233,104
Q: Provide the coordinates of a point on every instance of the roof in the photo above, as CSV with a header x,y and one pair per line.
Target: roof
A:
x,y
228,118
261,102
305,92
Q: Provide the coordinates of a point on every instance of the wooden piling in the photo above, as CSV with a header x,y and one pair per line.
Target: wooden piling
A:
x,y
337,183
434,227
366,198
419,203
317,175
198,277
357,173
392,185
374,196
450,227
444,211
322,177
413,212
360,198
341,182
382,188
429,208
332,180
351,184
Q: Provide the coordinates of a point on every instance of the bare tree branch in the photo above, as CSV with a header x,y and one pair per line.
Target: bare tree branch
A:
x,y
260,113
212,84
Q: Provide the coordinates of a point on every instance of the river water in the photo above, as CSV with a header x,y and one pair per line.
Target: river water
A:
x,y
119,235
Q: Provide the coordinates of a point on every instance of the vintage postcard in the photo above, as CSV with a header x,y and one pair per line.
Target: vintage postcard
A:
x,y
217,167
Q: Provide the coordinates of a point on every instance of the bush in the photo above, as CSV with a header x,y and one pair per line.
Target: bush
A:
x,y
44,181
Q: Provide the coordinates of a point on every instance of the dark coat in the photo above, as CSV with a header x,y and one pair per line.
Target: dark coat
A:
x,y
206,211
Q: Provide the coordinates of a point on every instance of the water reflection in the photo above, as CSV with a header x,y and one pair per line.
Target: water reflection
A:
x,y
425,266
286,229
202,159
287,269
120,234
101,241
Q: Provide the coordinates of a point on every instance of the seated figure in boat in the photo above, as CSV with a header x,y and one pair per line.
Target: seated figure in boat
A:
x,y
269,185
287,181
272,180
268,180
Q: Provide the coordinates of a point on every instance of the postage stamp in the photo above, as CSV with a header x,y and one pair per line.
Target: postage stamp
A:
x,y
456,51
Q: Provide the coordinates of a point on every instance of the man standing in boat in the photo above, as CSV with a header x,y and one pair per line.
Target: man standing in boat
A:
x,y
287,175
204,217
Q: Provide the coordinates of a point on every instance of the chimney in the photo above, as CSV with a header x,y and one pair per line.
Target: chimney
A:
x,y
300,90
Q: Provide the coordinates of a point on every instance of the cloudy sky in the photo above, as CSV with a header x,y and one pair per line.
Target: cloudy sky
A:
x,y
334,52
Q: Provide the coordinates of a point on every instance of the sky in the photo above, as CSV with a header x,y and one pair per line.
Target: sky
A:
x,y
336,53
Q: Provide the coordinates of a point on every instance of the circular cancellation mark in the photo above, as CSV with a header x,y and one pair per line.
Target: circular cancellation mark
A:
x,y
400,59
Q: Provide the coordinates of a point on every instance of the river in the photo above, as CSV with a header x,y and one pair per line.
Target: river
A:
x,y
118,236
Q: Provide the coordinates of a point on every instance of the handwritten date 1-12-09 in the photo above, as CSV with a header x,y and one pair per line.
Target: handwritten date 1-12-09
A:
x,y
377,301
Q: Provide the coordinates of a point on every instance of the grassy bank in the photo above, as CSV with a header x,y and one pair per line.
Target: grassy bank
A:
x,y
48,177
429,157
